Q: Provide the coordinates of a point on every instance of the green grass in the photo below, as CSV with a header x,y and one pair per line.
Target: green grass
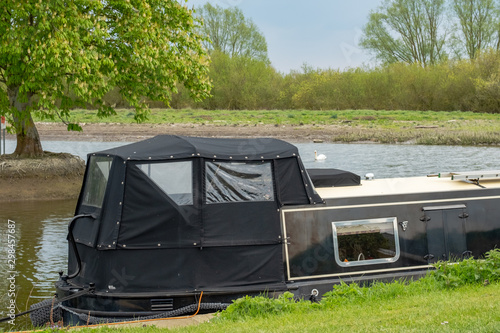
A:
x,y
390,119
418,127
465,309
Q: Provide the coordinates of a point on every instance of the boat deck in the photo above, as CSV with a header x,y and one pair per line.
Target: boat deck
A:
x,y
390,186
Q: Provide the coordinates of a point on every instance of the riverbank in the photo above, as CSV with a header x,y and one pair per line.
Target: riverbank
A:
x,y
52,177
126,132
136,132
379,126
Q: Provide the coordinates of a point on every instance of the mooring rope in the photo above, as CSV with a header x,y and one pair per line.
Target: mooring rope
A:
x,y
174,314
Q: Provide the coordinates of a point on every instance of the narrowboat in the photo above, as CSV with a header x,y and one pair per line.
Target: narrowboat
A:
x,y
173,225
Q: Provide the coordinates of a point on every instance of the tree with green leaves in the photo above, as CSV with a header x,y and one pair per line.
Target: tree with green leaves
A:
x,y
478,26
231,33
57,55
241,83
406,31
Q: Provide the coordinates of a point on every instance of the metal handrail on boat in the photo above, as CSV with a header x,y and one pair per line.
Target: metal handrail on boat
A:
x,y
71,239
471,177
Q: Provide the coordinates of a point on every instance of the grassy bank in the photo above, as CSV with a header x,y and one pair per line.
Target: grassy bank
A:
x,y
467,309
368,118
420,127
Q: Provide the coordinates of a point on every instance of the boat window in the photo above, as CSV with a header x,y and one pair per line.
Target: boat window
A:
x,y
97,180
174,178
238,181
366,242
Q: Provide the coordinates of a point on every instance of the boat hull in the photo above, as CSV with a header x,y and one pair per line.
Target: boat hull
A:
x,y
427,227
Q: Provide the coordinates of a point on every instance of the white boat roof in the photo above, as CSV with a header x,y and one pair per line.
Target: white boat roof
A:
x,y
436,183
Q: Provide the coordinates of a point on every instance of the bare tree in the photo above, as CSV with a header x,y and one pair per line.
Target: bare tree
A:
x,y
231,33
477,26
406,30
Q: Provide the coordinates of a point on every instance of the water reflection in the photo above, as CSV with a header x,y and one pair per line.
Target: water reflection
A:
x,y
78,148
40,251
51,254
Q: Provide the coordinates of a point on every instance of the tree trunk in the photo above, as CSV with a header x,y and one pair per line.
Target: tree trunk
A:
x,y
28,140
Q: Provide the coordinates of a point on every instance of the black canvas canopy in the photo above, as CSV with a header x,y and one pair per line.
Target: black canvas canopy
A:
x,y
179,147
164,206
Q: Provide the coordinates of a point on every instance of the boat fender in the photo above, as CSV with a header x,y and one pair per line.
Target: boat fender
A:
x,y
46,311
49,310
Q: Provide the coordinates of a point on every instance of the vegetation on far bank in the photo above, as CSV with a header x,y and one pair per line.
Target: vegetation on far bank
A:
x,y
240,83
382,126
455,297
368,118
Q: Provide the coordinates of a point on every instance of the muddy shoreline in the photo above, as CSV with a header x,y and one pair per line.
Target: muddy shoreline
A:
x,y
136,132
53,177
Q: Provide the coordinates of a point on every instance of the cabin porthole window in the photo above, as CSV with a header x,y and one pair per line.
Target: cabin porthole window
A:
x,y
366,242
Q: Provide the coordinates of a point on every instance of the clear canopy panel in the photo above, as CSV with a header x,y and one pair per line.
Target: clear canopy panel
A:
x,y
238,181
174,178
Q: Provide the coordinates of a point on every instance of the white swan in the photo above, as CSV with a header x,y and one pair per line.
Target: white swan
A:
x,y
319,157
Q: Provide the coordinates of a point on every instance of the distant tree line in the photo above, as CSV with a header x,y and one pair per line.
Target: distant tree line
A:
x,y
440,55
243,83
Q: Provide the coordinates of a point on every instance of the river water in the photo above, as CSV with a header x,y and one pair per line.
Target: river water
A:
x,y
37,233
385,161
37,230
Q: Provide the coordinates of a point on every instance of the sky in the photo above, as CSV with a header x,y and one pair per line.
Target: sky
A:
x,y
320,33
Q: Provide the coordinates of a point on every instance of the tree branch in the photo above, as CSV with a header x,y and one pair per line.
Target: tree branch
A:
x,y
65,122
